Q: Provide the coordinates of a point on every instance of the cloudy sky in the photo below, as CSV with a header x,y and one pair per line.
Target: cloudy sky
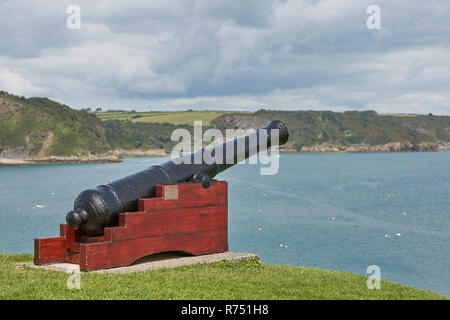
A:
x,y
230,54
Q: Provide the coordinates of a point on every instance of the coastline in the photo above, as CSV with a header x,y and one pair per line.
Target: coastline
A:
x,y
327,148
109,157
117,155
138,153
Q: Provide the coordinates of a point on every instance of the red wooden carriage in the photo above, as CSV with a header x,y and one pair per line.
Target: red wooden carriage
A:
x,y
182,217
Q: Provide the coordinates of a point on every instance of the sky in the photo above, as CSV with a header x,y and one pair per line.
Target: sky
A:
x,y
229,54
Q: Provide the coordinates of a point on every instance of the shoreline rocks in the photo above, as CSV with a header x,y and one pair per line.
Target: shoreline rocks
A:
x,y
14,159
141,153
389,147
117,155
108,157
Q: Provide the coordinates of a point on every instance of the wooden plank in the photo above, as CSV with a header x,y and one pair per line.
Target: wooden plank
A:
x,y
170,192
175,221
70,257
50,250
124,252
189,195
75,247
69,233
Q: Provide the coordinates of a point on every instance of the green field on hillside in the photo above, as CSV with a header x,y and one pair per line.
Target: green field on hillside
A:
x,y
397,115
175,118
223,280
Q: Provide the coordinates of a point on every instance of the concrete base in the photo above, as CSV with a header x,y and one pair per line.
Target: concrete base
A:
x,y
153,262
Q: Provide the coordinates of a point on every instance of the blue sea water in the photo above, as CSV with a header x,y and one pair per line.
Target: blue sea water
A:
x,y
333,211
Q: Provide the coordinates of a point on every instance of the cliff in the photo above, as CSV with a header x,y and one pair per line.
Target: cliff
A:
x,y
367,131
39,130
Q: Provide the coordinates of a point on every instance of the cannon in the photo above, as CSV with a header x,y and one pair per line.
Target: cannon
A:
x,y
173,207
95,209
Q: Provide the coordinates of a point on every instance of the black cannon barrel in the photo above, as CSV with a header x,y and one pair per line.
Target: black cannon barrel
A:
x,y
95,209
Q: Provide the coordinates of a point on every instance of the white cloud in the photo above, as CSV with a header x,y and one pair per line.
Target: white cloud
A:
x,y
286,54
13,82
416,102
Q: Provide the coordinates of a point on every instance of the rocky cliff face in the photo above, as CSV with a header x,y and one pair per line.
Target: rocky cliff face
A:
x,y
328,132
97,158
39,128
244,121
443,145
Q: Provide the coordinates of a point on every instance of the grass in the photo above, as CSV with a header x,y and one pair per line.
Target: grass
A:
x,y
222,280
411,115
175,118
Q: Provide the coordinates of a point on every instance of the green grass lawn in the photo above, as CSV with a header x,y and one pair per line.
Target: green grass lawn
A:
x,y
223,280
175,118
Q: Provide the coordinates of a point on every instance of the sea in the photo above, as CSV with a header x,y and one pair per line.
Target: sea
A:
x,y
343,212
